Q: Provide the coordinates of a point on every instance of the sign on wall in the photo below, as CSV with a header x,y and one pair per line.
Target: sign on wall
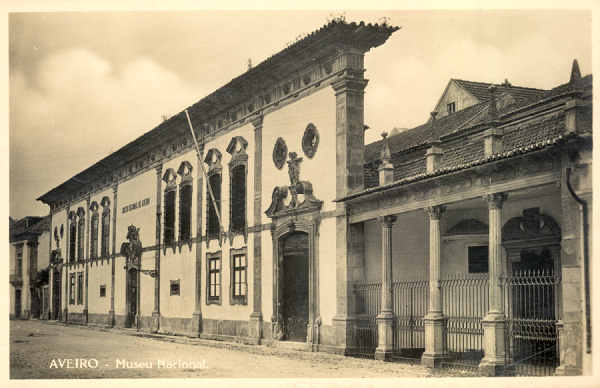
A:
x,y
136,205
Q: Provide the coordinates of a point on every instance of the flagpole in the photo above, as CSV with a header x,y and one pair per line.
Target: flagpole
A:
x,y
210,192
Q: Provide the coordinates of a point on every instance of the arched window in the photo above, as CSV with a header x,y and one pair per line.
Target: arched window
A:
x,y
72,236
213,227
105,227
185,204
238,171
80,232
169,208
94,231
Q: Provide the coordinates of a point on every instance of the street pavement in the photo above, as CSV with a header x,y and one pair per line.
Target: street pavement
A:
x,y
43,350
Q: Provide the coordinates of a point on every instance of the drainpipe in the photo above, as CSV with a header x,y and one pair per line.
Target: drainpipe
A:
x,y
586,272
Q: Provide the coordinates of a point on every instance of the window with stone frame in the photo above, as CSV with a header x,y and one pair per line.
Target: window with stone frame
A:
x,y
174,289
238,171
478,259
213,228
94,232
80,288
169,208
105,232
213,278
72,288
80,233
185,202
102,291
239,277
72,239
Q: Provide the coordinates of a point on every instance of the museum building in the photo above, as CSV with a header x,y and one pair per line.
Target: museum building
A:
x,y
462,242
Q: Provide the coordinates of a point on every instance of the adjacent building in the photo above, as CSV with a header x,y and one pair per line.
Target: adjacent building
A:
x,y
463,241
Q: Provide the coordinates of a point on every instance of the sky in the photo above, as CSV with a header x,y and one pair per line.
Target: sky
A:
x,y
83,84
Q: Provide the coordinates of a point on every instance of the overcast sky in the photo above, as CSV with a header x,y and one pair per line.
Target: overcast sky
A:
x,y
84,84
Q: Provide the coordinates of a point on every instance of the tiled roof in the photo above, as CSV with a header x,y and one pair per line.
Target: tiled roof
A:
x,y
29,226
481,90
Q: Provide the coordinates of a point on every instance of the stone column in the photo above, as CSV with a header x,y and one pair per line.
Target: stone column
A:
x,y
86,257
385,319
435,321
256,318
25,293
156,311
494,322
349,99
197,314
50,290
67,263
111,312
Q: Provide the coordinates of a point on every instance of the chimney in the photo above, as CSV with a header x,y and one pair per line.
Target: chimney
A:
x,y
433,156
492,141
575,73
386,168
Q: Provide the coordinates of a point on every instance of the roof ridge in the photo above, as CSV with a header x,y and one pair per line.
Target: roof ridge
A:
x,y
498,84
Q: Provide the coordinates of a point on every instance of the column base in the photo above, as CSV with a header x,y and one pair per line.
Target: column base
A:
x,y
385,331
65,316
155,322
343,326
111,318
494,361
196,324
85,316
435,340
255,324
26,314
568,370
491,369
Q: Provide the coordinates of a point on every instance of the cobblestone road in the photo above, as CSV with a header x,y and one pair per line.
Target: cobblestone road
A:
x,y
37,349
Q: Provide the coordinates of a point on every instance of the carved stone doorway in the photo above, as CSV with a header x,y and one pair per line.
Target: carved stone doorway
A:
x,y
294,287
131,297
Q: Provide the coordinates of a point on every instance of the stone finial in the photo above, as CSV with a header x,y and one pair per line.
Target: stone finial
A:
x,y
433,115
575,73
506,83
386,168
493,113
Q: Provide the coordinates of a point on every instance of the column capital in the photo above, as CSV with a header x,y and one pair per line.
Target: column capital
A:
x,y
387,221
158,168
115,186
435,212
349,84
495,200
257,121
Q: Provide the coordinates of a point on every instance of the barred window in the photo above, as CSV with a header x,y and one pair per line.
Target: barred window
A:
x,y
73,241
80,288
102,291
94,237
238,199
105,232
478,259
72,289
239,285
213,283
212,222
169,217
185,211
80,232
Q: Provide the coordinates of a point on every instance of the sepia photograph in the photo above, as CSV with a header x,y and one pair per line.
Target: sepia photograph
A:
x,y
295,194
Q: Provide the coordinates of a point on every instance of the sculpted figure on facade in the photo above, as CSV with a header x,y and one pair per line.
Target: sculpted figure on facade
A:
x,y
132,250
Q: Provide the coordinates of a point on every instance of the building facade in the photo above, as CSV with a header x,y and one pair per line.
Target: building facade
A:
x,y
285,227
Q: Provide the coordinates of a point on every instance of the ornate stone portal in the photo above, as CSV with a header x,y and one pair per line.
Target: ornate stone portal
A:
x,y
300,214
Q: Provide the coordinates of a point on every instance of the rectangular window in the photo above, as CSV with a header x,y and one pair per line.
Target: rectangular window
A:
x,y
80,288
175,287
105,232
213,283
169,217
72,288
238,199
212,222
451,107
102,291
239,273
185,211
478,259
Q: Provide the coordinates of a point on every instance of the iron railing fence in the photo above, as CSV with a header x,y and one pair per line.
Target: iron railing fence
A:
x,y
410,304
531,303
363,335
464,303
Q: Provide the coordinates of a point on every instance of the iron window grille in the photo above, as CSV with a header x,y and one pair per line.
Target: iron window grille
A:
x,y
213,281
239,277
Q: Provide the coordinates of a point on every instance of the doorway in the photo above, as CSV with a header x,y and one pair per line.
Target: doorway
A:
x,y
295,290
56,295
131,297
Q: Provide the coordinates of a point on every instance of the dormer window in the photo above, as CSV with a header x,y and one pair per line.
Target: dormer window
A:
x,y
451,107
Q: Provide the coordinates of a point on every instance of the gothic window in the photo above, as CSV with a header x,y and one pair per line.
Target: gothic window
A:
x,y
239,277
213,227
478,259
310,140
94,231
185,202
72,237
80,232
72,288
169,208
238,171
80,288
213,281
105,227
